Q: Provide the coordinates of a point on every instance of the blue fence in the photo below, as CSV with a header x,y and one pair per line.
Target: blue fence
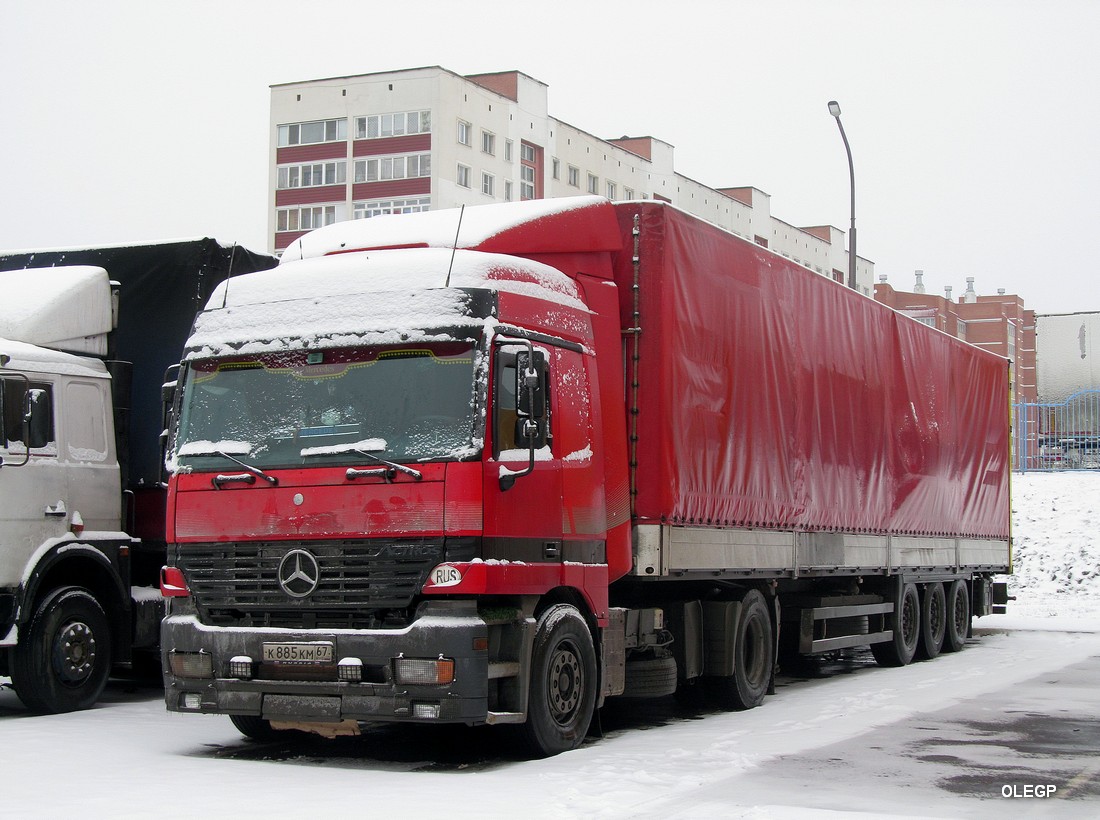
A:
x,y
1063,436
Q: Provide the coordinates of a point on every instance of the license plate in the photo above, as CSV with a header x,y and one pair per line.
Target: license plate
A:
x,y
297,653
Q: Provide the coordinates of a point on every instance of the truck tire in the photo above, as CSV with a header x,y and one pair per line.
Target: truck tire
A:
x,y
933,621
753,657
563,683
63,663
651,678
958,617
899,650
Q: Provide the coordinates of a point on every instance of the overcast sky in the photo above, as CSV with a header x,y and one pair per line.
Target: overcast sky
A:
x,y
975,126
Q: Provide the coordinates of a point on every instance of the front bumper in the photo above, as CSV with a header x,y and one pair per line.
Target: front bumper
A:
x,y
447,629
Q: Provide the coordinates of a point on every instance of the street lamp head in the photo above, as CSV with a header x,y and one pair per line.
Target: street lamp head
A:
x,y
834,108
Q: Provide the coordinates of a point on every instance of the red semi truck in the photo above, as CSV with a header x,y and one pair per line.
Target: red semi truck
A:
x,y
497,466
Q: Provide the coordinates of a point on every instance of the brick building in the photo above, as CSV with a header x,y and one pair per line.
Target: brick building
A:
x,y
999,324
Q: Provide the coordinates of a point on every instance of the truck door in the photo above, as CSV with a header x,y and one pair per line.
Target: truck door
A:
x,y
523,521
34,507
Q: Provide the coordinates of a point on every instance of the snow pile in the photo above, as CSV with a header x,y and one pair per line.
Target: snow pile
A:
x,y
1056,542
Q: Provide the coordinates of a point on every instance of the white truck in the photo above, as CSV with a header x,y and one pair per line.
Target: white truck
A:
x,y
81,499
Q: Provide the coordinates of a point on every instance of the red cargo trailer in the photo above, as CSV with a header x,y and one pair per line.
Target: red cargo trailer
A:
x,y
586,450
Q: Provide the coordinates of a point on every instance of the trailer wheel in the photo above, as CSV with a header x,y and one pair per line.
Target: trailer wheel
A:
x,y
753,657
933,621
563,683
63,663
899,650
958,617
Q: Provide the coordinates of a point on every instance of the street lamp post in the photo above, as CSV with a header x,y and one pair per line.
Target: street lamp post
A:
x,y
834,109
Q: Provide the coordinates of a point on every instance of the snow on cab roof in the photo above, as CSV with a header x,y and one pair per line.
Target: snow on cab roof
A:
x,y
60,307
436,229
16,355
373,297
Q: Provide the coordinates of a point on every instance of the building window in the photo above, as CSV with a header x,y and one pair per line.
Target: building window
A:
x,y
311,133
612,190
488,143
574,177
488,182
555,168
464,130
313,174
628,193
365,210
464,176
527,182
593,184
406,166
526,152
307,217
507,190
508,150
377,126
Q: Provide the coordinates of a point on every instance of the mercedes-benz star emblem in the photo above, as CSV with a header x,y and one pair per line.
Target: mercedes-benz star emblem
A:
x,y
298,574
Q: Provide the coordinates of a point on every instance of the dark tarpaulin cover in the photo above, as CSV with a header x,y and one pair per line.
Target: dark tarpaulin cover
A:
x,y
164,285
771,396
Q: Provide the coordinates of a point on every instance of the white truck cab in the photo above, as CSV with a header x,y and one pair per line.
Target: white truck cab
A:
x,y
64,591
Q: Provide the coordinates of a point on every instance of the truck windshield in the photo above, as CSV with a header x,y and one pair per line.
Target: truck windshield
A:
x,y
411,403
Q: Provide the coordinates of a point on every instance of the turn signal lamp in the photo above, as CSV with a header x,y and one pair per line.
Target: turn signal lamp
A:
x,y
172,583
424,671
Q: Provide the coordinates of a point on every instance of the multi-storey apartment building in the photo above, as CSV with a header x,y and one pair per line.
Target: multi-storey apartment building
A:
x,y
427,138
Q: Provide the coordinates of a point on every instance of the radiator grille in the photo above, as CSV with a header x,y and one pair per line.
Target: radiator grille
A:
x,y
361,584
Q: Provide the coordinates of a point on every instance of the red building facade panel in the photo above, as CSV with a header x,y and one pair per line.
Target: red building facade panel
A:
x,y
286,237
391,188
311,153
408,144
309,196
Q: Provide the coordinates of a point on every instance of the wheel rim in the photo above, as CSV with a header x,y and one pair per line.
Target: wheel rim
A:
x,y
74,653
936,619
961,607
909,620
566,683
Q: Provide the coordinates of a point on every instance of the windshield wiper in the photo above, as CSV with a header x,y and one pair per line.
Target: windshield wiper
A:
x,y
416,474
391,468
218,480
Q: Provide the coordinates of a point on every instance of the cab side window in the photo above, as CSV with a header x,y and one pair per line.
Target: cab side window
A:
x,y
12,397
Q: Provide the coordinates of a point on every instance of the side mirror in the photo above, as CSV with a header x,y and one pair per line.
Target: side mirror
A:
x,y
36,418
531,385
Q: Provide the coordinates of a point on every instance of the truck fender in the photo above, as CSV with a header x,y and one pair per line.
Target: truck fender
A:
x,y
76,563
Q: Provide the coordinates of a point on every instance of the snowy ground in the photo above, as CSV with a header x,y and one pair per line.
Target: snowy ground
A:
x,y
1018,708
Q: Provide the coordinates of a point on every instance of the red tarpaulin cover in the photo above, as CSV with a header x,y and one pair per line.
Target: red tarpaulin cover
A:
x,y
771,396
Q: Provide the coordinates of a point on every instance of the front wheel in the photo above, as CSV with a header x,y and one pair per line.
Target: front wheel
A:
x,y
563,683
63,663
257,728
